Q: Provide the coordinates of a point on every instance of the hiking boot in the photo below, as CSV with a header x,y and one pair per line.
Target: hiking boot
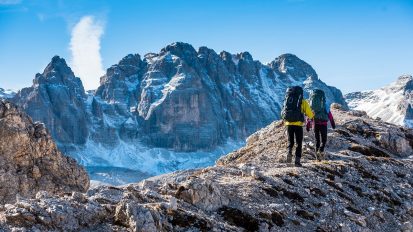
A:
x,y
289,157
321,155
298,165
318,155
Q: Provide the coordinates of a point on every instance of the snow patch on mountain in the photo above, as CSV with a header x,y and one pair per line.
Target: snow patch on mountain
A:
x,y
390,103
132,162
6,93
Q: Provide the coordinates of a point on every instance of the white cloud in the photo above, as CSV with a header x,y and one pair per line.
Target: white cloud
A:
x,y
86,61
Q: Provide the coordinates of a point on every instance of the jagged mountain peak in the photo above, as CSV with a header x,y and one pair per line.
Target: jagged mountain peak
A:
x,y
205,49
406,81
56,59
57,65
56,98
405,77
130,59
391,103
186,50
121,79
288,56
290,65
180,49
245,56
58,73
400,82
225,55
148,57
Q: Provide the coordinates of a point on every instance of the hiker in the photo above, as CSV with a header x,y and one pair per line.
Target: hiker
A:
x,y
293,115
322,115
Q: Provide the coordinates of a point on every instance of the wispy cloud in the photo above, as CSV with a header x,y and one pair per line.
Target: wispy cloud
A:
x,y
10,2
85,48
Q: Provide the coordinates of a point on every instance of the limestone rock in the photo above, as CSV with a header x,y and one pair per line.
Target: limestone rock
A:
x,y
29,160
206,194
57,99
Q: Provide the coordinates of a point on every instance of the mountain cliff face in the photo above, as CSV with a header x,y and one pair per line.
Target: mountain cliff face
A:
x,y
392,103
56,98
365,185
155,114
30,161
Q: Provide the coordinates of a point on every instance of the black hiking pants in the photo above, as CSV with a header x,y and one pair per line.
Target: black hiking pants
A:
x,y
297,132
320,131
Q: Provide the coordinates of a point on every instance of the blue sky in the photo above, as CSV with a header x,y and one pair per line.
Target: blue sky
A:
x,y
353,45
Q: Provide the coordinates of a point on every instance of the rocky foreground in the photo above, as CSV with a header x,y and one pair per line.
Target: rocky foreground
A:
x,y
30,161
365,185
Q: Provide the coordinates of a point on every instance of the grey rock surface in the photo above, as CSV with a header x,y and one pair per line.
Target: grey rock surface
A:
x,y
56,99
364,185
30,161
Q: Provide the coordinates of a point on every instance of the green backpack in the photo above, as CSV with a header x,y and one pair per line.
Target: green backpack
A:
x,y
318,105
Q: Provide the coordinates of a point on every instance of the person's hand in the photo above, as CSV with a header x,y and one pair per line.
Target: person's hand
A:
x,y
308,125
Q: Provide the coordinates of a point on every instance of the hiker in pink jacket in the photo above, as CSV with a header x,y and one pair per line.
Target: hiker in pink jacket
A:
x,y
322,115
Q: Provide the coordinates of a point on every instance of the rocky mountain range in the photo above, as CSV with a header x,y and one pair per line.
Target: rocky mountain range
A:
x,y
179,108
365,185
392,103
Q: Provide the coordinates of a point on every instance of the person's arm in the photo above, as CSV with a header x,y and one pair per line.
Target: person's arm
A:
x,y
330,117
307,109
308,124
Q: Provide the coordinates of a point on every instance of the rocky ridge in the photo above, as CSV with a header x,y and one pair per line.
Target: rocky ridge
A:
x,y
158,113
365,185
30,161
